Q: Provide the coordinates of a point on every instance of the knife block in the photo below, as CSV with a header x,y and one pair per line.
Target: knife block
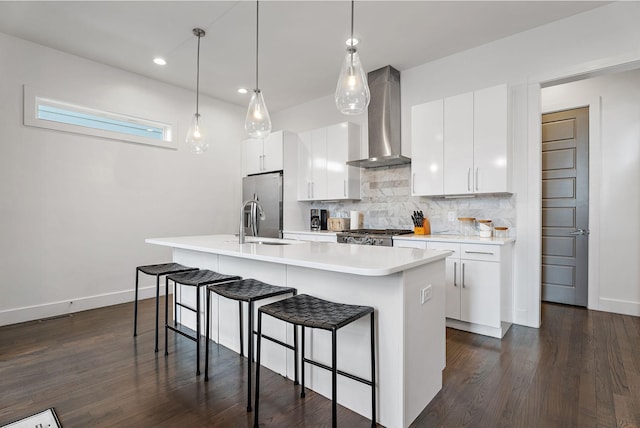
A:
x,y
424,230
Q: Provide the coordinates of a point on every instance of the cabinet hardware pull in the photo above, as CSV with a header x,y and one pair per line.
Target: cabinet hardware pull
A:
x,y
309,189
344,187
477,187
469,179
455,274
413,183
479,252
463,276
312,188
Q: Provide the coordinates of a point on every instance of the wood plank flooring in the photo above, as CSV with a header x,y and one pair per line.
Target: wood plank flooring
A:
x,y
581,369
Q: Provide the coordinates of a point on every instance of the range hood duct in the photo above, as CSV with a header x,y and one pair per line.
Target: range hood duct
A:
x,y
384,120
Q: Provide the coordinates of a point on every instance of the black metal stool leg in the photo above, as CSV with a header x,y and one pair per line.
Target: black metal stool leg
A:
x,y
175,305
207,320
250,356
135,307
166,315
198,331
334,379
302,394
255,408
157,307
373,372
295,354
241,328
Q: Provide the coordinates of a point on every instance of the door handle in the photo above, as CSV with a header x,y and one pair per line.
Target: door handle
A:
x,y
579,232
463,276
455,274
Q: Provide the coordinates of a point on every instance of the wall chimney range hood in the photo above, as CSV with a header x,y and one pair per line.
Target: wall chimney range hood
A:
x,y
384,120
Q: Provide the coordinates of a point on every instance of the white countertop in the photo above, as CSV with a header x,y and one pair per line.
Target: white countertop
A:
x,y
455,238
354,259
312,232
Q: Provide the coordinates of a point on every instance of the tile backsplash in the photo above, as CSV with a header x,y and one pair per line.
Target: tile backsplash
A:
x,y
386,202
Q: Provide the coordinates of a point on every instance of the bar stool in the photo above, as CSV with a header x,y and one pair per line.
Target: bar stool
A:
x,y
250,291
198,278
307,311
157,271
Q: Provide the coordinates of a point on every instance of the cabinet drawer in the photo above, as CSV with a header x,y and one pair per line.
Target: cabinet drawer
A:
x,y
483,252
447,246
409,243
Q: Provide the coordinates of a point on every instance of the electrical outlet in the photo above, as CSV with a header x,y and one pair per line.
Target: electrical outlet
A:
x,y
451,216
425,294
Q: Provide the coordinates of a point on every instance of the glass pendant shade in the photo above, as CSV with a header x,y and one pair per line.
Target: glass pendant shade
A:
x,y
352,93
196,136
258,122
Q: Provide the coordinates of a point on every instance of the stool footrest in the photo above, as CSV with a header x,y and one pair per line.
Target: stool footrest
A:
x,y
286,345
182,305
340,372
182,333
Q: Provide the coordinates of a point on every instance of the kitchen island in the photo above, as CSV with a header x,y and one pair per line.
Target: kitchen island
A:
x,y
404,285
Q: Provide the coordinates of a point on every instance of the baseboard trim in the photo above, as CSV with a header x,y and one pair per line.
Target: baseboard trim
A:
x,y
478,328
54,309
624,307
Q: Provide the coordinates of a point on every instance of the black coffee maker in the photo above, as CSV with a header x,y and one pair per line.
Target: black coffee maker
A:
x,y
319,219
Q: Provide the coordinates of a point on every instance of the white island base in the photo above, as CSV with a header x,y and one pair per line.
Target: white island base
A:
x,y
410,338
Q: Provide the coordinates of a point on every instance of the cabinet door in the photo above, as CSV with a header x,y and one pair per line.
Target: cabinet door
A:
x,y
304,166
452,287
458,144
272,152
427,155
319,164
480,293
490,140
251,156
337,156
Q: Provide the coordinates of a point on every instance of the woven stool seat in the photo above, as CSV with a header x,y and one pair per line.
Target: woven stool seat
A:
x,y
248,290
313,312
198,278
164,268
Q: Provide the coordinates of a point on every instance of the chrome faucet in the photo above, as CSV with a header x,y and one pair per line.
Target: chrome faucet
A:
x,y
257,204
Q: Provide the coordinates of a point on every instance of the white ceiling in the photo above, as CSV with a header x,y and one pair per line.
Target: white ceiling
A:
x,y
302,43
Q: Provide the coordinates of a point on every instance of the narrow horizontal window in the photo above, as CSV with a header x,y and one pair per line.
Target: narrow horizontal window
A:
x,y
45,112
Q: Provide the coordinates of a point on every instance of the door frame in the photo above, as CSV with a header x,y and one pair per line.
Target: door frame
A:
x,y
530,259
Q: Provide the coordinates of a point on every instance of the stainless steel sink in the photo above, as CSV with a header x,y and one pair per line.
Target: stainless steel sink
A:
x,y
268,243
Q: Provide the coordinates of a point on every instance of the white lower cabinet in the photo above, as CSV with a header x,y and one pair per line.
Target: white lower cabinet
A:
x,y
478,285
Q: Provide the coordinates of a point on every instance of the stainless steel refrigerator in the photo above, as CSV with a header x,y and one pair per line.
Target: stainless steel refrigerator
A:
x,y
267,189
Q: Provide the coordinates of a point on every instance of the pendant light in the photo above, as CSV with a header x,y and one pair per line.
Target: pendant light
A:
x,y
352,93
196,135
258,123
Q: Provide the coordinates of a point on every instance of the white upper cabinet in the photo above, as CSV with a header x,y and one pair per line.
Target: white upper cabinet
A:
x,y
490,140
322,170
458,144
473,154
263,155
427,154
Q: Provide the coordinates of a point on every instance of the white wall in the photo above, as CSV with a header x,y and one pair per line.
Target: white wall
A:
x,y
75,210
603,37
614,159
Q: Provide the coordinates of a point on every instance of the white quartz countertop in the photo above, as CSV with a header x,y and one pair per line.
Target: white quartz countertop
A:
x,y
312,232
455,238
354,259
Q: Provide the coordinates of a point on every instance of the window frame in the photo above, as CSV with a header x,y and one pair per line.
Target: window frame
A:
x,y
34,98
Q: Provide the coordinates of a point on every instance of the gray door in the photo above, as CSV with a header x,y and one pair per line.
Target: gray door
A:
x,y
565,206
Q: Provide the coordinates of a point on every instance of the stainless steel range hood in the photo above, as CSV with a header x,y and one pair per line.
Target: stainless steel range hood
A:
x,y
384,120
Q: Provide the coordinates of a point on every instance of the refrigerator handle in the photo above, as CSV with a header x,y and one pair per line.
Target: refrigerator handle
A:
x,y
254,217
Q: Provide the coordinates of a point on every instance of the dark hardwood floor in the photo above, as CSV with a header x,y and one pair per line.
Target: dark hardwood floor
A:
x,y
581,369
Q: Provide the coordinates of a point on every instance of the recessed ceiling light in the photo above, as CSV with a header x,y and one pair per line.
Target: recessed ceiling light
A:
x,y
355,42
242,91
160,61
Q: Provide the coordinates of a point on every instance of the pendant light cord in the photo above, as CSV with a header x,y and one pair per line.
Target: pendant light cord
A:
x,y
257,39
351,44
198,76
